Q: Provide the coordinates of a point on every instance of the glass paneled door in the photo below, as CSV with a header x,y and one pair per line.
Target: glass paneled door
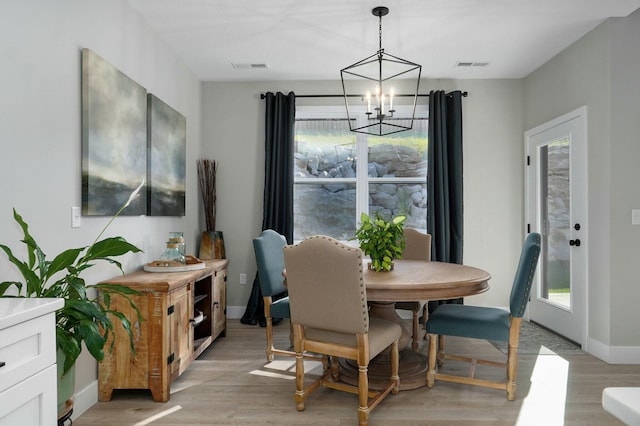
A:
x,y
556,208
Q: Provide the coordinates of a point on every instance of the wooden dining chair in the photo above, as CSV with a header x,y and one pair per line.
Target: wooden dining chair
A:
x,y
485,323
270,259
417,247
330,317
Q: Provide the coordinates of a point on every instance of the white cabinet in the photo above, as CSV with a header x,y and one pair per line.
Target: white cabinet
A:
x,y
28,362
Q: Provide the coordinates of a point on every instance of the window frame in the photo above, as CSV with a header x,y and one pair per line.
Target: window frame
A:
x,y
362,178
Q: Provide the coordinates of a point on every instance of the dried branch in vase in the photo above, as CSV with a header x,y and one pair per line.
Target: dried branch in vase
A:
x,y
207,169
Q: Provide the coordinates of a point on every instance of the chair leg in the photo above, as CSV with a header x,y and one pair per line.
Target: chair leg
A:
x,y
512,358
269,328
431,366
299,396
395,367
326,363
425,317
512,371
299,382
335,368
440,357
290,333
363,395
416,327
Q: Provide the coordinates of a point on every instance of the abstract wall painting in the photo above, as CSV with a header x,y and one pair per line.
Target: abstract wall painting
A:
x,y
114,139
167,142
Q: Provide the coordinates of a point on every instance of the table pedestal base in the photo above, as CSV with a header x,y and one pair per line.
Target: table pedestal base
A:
x,y
412,371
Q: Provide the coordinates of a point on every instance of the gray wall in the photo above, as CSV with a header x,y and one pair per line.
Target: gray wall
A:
x,y
601,71
40,44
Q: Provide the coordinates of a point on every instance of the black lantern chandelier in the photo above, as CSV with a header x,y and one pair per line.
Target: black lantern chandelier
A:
x,y
380,68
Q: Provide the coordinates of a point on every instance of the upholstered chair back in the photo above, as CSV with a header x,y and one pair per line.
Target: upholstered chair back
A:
x,y
524,275
417,245
270,259
325,284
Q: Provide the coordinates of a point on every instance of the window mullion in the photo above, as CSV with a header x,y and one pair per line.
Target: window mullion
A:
x,y
362,172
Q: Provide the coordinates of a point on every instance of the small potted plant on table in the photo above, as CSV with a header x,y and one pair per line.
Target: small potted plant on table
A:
x,y
381,240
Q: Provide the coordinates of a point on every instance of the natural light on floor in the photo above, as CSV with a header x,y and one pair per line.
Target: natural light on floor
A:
x,y
545,402
159,415
286,369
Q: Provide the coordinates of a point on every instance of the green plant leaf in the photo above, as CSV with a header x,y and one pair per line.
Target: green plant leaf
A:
x,y
114,246
71,348
6,285
32,280
93,339
27,236
63,261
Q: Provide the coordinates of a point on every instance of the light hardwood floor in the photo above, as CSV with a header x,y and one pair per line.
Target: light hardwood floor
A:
x,y
232,384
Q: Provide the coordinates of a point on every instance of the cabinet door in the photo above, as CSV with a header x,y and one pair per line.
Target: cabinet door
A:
x,y
181,344
32,402
219,309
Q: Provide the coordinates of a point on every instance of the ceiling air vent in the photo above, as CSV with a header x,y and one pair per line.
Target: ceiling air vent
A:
x,y
250,66
462,64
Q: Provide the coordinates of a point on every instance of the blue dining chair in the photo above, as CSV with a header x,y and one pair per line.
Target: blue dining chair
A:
x,y
270,259
486,323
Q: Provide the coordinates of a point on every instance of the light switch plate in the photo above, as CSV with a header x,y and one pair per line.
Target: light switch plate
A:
x,y
75,217
635,216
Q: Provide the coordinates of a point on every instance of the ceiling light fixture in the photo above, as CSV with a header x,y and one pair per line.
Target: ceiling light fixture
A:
x,y
380,68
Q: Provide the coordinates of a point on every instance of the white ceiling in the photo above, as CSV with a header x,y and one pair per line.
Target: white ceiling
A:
x,y
313,40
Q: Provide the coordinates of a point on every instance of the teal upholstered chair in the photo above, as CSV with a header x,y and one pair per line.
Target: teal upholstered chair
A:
x,y
417,247
270,259
485,323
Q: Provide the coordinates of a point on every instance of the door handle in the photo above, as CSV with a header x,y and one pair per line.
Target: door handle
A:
x,y
575,242
576,226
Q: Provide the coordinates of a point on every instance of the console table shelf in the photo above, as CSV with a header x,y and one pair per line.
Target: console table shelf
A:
x,y
182,314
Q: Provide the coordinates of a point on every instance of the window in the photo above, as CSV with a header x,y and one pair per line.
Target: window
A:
x,y
339,174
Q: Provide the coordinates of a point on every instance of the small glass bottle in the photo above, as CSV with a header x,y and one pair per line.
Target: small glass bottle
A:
x,y
172,253
178,238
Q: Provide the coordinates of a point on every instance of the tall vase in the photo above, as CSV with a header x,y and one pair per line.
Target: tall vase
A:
x,y
212,245
66,387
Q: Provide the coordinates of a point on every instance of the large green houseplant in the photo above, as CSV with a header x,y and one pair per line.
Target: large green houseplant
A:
x,y
86,315
381,240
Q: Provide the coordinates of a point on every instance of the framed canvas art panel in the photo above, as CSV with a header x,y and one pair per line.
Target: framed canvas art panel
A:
x,y
167,159
114,139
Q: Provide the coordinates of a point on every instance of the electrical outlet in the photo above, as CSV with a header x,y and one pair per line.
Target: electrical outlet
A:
x,y
243,278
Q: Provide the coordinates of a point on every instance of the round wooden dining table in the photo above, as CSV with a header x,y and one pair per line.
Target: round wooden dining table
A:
x,y
411,280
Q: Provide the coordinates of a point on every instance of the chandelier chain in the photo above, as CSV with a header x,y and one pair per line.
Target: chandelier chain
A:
x,y
380,31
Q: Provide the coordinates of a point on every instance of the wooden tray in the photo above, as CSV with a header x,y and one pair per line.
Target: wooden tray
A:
x,y
192,264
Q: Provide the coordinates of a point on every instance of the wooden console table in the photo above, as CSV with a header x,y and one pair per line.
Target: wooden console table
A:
x,y
182,314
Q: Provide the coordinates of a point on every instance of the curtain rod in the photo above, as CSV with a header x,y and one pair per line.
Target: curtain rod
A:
x,y
262,95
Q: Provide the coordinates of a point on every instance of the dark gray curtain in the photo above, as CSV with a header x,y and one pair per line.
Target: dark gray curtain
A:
x,y
444,181
277,207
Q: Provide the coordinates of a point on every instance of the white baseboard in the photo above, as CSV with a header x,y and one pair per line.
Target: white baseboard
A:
x,y
614,354
85,399
235,312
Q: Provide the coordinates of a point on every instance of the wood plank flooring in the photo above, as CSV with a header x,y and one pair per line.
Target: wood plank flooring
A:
x,y
232,384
